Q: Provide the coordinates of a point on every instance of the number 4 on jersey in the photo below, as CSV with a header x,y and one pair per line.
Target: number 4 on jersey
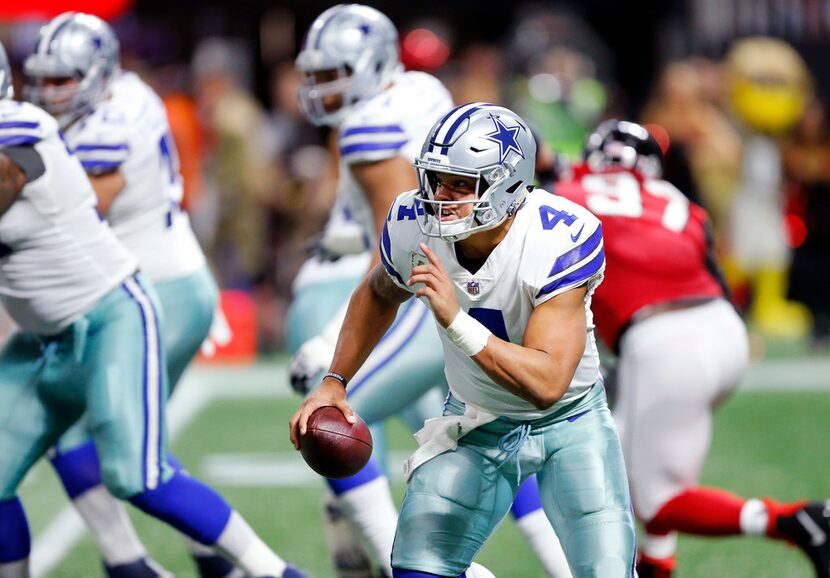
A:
x,y
551,217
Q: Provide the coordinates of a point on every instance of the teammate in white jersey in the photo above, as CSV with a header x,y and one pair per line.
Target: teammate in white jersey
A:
x,y
91,341
356,85
508,273
117,127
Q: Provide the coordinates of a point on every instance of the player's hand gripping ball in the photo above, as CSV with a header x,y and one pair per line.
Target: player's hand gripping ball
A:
x,y
333,447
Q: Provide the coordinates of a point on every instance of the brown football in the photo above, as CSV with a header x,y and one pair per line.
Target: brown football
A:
x,y
333,447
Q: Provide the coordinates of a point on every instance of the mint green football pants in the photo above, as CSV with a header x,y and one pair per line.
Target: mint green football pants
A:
x,y
110,364
455,501
187,306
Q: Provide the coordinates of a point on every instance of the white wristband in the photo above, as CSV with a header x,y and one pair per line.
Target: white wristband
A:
x,y
467,333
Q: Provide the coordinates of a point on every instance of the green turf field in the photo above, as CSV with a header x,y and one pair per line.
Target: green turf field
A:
x,y
766,443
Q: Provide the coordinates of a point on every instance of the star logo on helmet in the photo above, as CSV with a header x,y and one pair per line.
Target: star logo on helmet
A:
x,y
506,137
365,29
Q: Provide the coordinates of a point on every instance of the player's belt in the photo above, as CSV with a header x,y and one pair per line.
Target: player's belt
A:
x,y
658,308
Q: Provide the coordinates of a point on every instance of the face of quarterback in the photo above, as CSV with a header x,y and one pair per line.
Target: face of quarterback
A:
x,y
331,102
454,188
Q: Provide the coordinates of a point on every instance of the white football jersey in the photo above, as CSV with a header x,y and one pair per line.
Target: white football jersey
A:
x,y
58,256
553,246
393,123
129,132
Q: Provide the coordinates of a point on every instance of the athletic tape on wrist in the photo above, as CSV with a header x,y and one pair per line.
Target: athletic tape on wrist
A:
x,y
468,334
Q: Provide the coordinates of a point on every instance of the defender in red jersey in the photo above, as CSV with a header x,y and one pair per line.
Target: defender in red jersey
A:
x,y
663,308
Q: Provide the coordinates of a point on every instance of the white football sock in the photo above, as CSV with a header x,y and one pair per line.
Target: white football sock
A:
x,y
478,571
110,525
240,543
659,547
754,518
349,556
372,510
18,569
536,529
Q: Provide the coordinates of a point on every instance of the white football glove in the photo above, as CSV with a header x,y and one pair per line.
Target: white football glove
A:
x,y
315,355
312,358
219,335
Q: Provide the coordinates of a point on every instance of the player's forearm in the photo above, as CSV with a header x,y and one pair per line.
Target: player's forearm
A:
x,y
367,319
536,376
107,187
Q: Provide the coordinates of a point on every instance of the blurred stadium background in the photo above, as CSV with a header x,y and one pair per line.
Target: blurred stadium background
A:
x,y
739,88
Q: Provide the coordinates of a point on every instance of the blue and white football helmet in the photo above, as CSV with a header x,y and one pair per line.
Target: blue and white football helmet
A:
x,y
6,88
484,141
361,45
75,46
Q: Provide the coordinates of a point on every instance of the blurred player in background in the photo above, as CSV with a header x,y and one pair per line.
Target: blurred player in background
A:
x,y
117,127
664,309
356,85
91,340
500,265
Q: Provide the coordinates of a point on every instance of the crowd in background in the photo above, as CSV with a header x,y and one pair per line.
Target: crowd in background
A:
x,y
747,135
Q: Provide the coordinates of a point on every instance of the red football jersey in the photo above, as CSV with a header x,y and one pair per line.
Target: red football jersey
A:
x,y
656,247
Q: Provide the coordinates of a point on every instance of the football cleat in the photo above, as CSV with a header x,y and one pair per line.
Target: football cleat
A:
x,y
655,568
348,554
216,566
809,528
142,568
292,571
646,570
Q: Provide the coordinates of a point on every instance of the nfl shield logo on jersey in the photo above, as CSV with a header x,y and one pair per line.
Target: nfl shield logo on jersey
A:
x,y
473,287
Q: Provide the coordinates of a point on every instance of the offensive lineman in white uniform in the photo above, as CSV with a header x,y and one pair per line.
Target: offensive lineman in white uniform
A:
x,y
117,127
355,84
508,273
90,342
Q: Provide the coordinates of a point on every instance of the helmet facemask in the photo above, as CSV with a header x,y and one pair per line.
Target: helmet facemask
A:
x,y
74,62
313,93
489,181
6,88
360,45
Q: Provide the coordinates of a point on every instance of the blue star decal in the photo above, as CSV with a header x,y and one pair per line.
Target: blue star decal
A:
x,y
97,42
365,29
506,137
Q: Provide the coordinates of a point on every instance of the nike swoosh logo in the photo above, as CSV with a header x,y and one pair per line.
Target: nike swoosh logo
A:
x,y
575,237
817,535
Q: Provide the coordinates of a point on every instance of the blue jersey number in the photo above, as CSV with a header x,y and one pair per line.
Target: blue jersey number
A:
x,y
551,217
410,213
169,160
492,319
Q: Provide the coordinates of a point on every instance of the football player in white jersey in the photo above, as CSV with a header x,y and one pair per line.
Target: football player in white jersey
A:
x,y
117,127
356,85
508,273
90,342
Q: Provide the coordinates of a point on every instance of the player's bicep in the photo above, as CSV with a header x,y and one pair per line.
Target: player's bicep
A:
x,y
559,327
382,182
384,287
